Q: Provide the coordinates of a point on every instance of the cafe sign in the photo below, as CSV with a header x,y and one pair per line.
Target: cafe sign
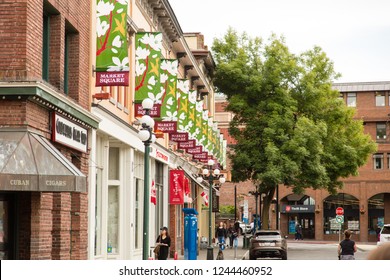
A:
x,y
69,133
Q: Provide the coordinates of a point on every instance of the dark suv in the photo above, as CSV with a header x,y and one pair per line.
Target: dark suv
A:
x,y
268,244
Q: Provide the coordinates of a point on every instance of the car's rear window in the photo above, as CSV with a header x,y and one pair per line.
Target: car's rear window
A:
x,y
385,230
266,233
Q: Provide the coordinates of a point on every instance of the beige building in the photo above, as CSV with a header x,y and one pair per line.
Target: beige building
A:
x,y
117,154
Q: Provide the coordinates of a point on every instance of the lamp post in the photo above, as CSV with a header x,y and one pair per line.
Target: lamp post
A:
x,y
210,175
256,194
147,137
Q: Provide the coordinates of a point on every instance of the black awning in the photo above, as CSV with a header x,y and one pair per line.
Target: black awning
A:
x,y
28,162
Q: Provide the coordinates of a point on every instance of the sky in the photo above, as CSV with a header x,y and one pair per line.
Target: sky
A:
x,y
355,34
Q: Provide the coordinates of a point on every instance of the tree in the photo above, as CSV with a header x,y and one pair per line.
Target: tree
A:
x,y
290,126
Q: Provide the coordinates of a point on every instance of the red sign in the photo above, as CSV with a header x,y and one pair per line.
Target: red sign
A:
x,y
186,145
196,150
154,113
339,211
288,208
179,137
166,127
200,156
112,79
176,187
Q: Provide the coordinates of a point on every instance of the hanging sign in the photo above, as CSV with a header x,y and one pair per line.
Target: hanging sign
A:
x,y
176,187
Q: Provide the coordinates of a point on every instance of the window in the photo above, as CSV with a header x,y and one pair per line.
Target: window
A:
x,y
351,99
378,161
380,99
66,63
381,131
138,206
113,220
113,166
45,47
159,195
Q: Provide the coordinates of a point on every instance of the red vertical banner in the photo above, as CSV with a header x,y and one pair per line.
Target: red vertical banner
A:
x,y
176,187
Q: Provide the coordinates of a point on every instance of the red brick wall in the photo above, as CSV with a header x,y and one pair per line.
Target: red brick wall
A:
x,y
21,27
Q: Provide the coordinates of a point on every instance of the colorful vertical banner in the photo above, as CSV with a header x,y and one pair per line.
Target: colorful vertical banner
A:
x,y
210,136
176,186
204,139
187,191
112,59
198,121
191,114
182,108
221,148
153,195
168,79
224,154
147,71
205,198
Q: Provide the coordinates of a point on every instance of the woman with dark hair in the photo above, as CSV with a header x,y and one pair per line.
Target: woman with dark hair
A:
x,y
347,248
164,242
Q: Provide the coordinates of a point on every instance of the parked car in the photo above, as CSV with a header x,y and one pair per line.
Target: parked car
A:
x,y
244,228
268,244
384,235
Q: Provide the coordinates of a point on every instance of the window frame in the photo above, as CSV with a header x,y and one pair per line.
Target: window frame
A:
x,y
378,156
350,95
380,94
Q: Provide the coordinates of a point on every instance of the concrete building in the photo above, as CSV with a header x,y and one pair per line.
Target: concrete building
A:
x,y
364,198
45,129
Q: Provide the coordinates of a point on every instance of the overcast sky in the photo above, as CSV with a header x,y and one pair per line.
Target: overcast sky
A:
x,y
355,34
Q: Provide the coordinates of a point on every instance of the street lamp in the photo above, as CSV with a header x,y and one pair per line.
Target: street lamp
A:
x,y
256,194
210,175
146,135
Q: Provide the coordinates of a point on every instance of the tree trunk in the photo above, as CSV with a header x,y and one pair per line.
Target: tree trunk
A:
x,y
265,224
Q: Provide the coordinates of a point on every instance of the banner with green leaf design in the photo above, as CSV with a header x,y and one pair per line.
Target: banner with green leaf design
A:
x,y
182,111
191,114
112,59
168,79
147,70
204,139
198,121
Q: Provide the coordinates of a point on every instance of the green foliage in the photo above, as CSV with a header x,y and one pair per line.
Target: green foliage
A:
x,y
226,209
291,128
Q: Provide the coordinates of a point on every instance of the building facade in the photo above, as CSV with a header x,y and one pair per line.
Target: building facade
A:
x,y
45,129
116,186
365,198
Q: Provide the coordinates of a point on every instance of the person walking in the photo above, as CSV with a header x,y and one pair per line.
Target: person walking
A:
x,y
163,242
347,248
221,233
230,235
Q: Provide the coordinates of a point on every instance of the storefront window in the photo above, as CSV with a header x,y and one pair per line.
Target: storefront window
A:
x,y
138,189
113,166
113,220
351,213
376,213
160,195
98,213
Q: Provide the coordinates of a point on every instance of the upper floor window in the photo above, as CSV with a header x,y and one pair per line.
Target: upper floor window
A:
x,y
380,99
351,99
381,131
45,47
378,161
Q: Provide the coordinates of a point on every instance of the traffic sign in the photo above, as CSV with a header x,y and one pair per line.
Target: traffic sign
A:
x,y
340,219
339,211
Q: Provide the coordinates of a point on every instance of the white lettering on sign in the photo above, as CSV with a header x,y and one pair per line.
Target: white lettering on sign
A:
x,y
69,133
19,182
55,183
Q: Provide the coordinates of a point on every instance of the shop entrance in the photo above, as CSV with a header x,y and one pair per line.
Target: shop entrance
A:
x,y
299,209
7,219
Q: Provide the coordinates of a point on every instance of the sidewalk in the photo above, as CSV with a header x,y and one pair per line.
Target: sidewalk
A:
x,y
228,253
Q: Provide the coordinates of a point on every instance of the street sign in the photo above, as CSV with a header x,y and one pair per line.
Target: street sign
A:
x,y
339,211
246,214
340,219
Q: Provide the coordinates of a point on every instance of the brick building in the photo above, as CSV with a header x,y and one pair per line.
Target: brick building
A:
x,y
365,198
45,127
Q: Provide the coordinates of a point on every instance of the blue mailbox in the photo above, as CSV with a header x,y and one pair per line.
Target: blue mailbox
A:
x,y
190,234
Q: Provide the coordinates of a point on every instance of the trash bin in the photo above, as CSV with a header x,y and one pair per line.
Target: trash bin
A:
x,y
246,241
190,234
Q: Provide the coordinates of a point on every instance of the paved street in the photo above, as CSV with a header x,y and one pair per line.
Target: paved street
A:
x,y
297,250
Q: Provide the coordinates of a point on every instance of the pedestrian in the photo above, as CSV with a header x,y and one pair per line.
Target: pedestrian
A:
x,y
221,233
347,248
235,234
378,233
298,232
230,235
380,253
163,242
